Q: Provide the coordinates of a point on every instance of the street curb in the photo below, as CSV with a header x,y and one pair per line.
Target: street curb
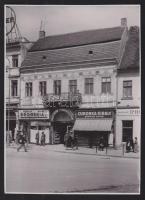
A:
x,y
96,154
81,153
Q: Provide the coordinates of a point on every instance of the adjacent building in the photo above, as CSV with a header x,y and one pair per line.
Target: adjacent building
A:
x,y
129,90
72,81
16,50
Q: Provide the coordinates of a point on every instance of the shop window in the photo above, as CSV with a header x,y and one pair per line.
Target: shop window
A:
x,y
106,85
42,88
15,60
127,89
127,130
73,86
28,89
14,88
89,85
57,87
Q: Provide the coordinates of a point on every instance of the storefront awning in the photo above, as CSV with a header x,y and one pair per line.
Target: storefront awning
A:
x,y
93,125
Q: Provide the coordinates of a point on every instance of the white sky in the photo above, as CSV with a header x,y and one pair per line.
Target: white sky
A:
x,y
65,19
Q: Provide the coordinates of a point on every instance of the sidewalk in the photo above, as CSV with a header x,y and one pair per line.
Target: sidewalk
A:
x,y
81,150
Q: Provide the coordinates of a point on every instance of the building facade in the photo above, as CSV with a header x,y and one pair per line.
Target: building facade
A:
x,y
15,53
70,82
129,90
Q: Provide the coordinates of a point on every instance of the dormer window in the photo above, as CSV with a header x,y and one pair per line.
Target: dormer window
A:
x,y
44,57
90,52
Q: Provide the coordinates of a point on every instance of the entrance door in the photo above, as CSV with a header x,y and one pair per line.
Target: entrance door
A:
x,y
60,128
127,130
62,119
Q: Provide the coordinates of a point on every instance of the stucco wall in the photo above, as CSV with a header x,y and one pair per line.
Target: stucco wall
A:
x,y
96,73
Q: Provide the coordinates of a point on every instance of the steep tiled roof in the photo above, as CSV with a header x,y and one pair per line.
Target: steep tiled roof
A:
x,y
130,59
66,51
76,54
78,38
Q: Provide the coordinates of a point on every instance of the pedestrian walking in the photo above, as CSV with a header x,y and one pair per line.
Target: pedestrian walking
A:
x,y
22,140
97,144
69,141
43,139
65,139
128,145
135,145
101,144
37,138
131,144
75,142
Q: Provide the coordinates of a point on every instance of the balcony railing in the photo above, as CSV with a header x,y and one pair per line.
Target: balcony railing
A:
x,y
62,100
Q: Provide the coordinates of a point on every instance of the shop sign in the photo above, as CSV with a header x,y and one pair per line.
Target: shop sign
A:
x,y
94,114
33,114
128,112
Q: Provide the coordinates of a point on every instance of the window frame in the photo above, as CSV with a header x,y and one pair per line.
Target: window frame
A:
x,y
89,86
57,87
14,90
28,89
42,88
126,87
15,61
73,86
105,84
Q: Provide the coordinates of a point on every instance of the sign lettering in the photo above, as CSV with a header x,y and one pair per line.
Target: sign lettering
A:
x,y
94,114
33,114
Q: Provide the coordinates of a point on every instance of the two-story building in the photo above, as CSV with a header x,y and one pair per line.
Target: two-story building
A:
x,y
129,90
16,50
68,81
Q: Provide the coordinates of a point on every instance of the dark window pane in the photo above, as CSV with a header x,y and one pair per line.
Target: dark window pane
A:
x,y
127,88
106,85
127,129
57,87
128,123
15,60
73,86
28,88
42,88
14,87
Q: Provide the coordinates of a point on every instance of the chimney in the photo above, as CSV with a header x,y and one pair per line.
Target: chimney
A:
x,y
41,34
123,22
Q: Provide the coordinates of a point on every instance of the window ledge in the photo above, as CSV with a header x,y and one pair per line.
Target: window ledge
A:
x,y
127,98
107,93
89,94
15,97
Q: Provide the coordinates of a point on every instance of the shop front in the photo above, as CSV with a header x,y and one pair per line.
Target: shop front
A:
x,y
34,121
128,124
91,125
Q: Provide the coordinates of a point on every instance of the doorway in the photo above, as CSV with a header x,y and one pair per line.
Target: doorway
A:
x,y
127,130
62,119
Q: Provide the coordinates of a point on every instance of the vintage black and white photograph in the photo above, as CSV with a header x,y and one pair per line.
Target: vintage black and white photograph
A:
x,y
72,99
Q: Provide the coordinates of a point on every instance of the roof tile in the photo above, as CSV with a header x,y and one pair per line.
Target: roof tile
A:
x,y
78,38
131,54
